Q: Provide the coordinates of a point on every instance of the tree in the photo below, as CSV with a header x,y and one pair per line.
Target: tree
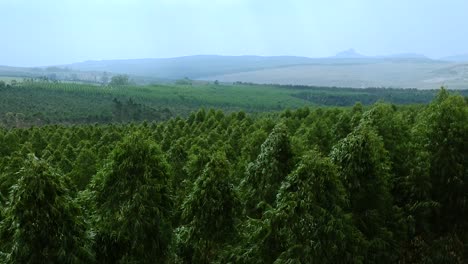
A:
x,y
447,143
251,146
320,134
119,80
133,204
177,157
84,168
104,78
197,158
11,165
38,142
364,169
184,81
213,226
309,224
394,131
265,174
42,224
435,189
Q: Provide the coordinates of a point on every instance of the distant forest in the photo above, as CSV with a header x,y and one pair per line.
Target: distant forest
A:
x,y
41,101
261,174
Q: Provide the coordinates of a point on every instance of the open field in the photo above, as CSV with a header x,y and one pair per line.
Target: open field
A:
x,y
8,80
419,75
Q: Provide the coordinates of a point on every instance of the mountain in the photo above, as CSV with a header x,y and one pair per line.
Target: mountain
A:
x,y
457,58
406,56
190,66
348,54
203,66
347,69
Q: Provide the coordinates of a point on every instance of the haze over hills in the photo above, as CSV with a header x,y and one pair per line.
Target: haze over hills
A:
x,y
348,68
457,58
349,54
189,66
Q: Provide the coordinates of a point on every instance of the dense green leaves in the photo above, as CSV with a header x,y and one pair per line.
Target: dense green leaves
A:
x,y
379,184
132,203
265,174
309,224
36,102
447,141
364,169
41,223
210,212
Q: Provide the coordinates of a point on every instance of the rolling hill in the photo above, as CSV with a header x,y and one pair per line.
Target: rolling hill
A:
x,y
345,69
384,73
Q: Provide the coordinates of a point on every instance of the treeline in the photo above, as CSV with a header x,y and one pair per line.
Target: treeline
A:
x,y
368,96
343,96
336,185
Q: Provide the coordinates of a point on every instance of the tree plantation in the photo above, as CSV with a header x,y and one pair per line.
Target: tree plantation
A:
x,y
41,102
383,183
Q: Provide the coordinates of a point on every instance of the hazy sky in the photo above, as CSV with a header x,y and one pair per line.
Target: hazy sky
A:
x,y
46,32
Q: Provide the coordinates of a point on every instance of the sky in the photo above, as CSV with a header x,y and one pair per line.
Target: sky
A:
x,y
54,32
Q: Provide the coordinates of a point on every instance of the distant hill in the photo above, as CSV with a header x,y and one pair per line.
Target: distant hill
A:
x,y
403,73
407,56
457,58
191,66
349,54
203,66
19,71
346,69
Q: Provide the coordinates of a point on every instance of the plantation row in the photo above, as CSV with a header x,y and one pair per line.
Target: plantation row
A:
x,y
387,184
40,103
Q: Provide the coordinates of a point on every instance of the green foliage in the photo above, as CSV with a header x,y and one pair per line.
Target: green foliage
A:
x,y
39,103
213,226
236,187
84,168
131,111
265,174
133,204
309,224
41,222
448,145
11,165
119,80
364,170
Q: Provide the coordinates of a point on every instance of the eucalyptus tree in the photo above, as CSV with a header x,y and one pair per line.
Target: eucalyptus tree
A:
x,y
132,200
265,174
364,169
84,168
309,223
41,222
210,213
447,143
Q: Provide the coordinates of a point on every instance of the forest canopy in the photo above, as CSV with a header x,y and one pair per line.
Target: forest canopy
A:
x,y
383,183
